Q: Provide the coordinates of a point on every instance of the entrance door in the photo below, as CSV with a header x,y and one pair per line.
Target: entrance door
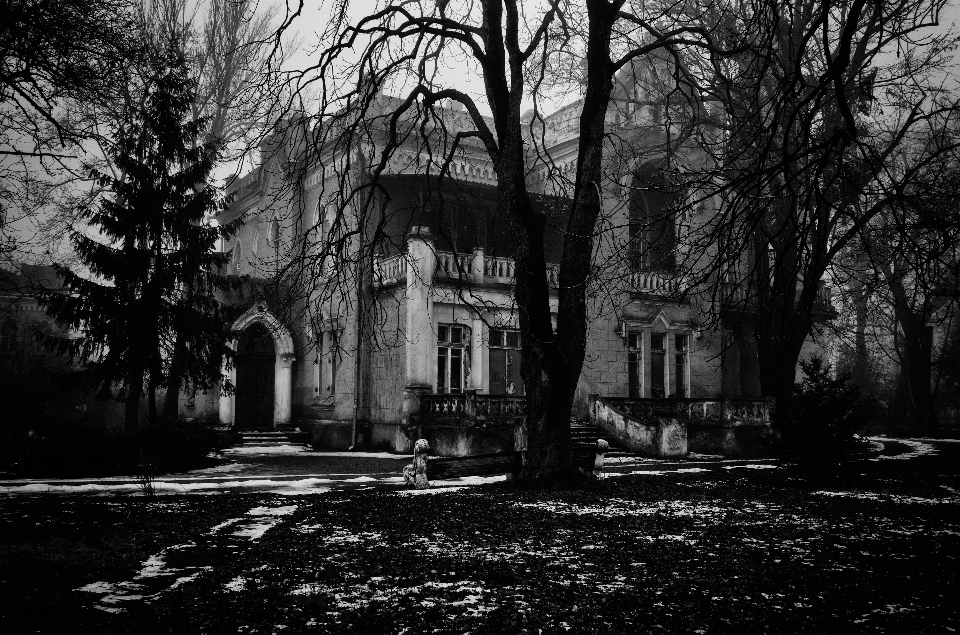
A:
x,y
256,362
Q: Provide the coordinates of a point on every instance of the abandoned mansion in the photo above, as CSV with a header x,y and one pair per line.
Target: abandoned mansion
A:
x,y
372,342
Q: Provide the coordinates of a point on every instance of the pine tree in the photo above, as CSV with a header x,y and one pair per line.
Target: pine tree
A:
x,y
153,263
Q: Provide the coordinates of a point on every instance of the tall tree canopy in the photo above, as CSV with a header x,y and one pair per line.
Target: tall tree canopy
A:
x,y
153,260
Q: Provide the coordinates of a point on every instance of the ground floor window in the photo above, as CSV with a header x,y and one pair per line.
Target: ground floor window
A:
x,y
451,344
662,368
504,362
635,364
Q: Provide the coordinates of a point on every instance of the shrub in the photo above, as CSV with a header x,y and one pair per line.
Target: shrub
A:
x,y
827,412
88,451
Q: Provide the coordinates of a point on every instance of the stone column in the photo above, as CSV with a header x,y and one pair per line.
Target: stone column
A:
x,y
477,268
478,358
282,389
421,339
227,400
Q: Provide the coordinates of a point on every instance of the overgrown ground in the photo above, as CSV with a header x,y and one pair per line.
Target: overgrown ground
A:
x,y
873,547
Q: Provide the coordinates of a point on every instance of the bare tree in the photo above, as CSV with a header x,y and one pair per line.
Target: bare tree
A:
x,y
815,103
511,49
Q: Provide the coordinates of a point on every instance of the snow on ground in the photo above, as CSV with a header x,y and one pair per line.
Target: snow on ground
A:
x,y
433,490
302,450
158,576
751,466
892,498
917,448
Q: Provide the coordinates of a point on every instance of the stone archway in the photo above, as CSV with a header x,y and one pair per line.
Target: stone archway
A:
x,y
282,375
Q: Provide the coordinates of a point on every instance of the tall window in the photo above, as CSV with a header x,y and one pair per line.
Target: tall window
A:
x,y
635,364
318,364
658,354
504,362
680,365
450,358
652,221
663,369
237,258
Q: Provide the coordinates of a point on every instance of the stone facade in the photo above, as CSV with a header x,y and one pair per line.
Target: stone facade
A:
x,y
437,310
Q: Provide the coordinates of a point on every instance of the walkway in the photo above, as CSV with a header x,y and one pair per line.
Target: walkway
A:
x,y
295,470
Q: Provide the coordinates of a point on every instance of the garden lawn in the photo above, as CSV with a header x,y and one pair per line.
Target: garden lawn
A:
x,y
874,548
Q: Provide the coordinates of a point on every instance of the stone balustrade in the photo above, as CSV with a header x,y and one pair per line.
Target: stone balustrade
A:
x,y
654,283
742,411
390,270
471,409
473,267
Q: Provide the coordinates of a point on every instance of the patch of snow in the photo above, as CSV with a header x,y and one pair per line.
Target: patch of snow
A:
x,y
360,479
98,587
341,536
272,511
225,523
255,530
751,466
433,490
239,583
893,498
917,448
693,469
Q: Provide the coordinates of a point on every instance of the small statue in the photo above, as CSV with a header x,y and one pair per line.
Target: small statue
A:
x,y
415,474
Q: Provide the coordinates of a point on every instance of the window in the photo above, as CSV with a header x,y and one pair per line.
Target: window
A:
x,y
333,354
318,364
658,353
273,233
451,342
663,369
680,366
652,221
504,361
8,336
236,260
635,364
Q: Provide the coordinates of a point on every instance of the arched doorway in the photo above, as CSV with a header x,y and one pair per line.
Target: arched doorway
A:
x,y
256,365
262,337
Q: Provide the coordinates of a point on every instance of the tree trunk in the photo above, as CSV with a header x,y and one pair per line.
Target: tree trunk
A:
x,y
131,409
555,361
171,401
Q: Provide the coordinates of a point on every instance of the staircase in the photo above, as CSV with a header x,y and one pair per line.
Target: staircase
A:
x,y
273,438
584,434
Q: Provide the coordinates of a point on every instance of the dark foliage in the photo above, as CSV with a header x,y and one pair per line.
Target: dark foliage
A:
x,y
71,451
827,413
155,258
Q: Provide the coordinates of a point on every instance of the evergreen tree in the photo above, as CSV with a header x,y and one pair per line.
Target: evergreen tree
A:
x,y
153,263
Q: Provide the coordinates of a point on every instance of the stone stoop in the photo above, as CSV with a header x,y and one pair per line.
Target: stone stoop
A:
x,y
272,438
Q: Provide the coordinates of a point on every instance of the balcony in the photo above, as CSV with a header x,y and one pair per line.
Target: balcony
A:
x,y
743,298
655,283
472,268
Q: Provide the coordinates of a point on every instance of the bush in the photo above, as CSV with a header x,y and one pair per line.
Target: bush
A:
x,y
827,413
90,451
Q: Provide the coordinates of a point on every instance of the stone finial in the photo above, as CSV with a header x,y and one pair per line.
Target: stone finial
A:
x,y
415,474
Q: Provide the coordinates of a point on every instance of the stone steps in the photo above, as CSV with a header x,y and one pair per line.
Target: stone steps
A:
x,y
586,434
272,438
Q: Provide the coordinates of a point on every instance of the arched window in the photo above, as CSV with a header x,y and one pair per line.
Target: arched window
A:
x,y
273,233
236,261
653,223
